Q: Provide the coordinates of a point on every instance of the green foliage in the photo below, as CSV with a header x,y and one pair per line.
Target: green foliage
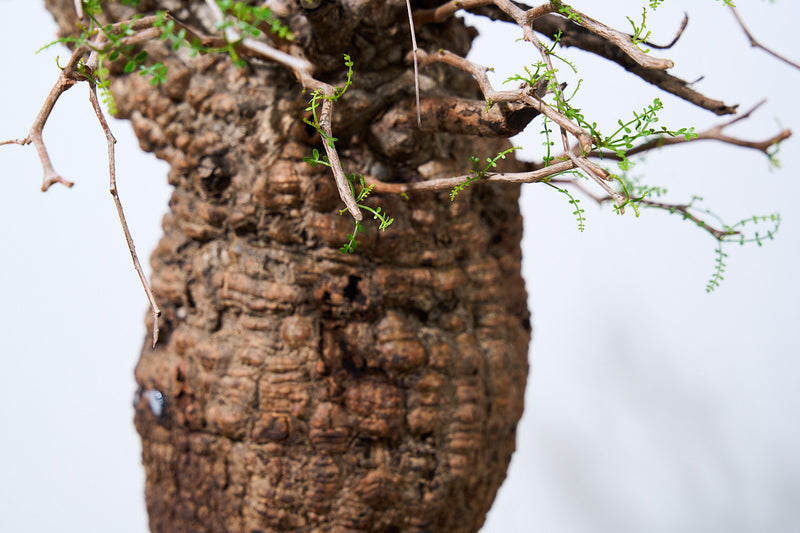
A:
x,y
245,20
639,36
719,268
249,18
636,192
737,233
318,96
479,172
748,230
639,128
567,11
316,159
355,181
579,212
377,214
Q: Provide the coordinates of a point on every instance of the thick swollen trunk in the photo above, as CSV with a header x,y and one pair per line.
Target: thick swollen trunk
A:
x,y
304,389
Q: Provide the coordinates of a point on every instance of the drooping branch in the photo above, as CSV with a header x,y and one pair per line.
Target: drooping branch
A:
x,y
112,188
80,67
673,42
685,210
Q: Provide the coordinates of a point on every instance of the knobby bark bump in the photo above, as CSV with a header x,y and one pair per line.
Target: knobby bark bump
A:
x,y
303,389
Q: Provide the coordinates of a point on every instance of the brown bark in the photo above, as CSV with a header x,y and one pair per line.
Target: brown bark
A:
x,y
304,389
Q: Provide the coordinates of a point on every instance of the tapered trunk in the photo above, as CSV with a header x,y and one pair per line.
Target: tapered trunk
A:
x,y
303,389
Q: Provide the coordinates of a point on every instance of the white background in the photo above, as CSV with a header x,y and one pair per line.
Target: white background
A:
x,y
652,406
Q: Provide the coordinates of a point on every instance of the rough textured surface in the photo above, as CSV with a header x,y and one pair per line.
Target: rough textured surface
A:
x,y
306,390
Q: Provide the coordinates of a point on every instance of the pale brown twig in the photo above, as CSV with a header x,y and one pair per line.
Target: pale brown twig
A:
x,y
436,184
674,40
754,43
112,188
624,43
416,61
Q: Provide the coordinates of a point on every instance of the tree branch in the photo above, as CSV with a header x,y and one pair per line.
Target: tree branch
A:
x,y
754,43
112,188
573,34
715,133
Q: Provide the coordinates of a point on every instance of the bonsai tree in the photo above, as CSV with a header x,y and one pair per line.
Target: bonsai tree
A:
x,y
295,384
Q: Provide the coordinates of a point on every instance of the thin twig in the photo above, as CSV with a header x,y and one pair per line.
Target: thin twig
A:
x,y
345,193
674,39
754,43
684,209
416,62
437,184
63,83
112,188
526,95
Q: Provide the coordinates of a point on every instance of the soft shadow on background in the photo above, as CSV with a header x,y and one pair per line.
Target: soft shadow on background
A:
x,y
651,406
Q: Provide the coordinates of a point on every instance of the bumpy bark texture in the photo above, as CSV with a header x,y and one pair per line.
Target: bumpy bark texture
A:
x,y
304,389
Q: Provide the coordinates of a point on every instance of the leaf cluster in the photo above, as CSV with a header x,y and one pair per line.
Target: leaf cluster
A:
x,y
248,19
377,213
358,186
478,172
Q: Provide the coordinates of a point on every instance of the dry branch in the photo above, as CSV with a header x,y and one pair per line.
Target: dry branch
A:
x,y
755,44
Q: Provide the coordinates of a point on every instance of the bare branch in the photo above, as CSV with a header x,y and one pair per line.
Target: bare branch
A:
x,y
624,43
345,193
445,11
112,187
475,117
524,95
416,62
754,43
526,17
674,39
63,83
436,184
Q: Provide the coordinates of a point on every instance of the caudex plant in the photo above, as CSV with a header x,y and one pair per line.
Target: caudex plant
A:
x,y
345,378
